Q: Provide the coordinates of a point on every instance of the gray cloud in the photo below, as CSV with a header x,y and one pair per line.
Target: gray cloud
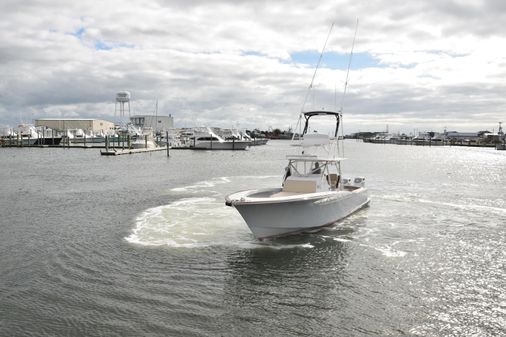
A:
x,y
226,62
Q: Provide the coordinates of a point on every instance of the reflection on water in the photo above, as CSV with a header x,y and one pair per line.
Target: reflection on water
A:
x,y
272,287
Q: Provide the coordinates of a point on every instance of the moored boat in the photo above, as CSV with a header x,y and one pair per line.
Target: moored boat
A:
x,y
210,139
502,138
145,141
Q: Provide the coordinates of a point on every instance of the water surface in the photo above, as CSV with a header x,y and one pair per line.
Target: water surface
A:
x,y
144,245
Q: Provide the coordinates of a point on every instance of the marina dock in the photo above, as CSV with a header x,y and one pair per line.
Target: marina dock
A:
x,y
118,152
426,142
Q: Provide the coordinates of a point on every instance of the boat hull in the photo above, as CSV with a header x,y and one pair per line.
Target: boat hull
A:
x,y
48,141
228,145
259,141
81,140
143,144
272,217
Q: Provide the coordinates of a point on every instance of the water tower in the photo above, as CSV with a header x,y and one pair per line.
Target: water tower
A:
x,y
123,98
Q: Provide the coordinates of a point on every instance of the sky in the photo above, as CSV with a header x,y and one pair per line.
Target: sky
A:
x,y
416,65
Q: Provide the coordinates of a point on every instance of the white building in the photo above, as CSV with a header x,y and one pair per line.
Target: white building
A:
x,y
158,123
86,124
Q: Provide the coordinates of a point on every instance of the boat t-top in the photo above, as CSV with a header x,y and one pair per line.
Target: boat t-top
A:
x,y
313,193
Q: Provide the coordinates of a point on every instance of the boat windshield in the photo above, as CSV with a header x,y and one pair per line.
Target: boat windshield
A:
x,y
311,168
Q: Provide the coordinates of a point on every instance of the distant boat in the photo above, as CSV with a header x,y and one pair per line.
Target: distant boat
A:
x,y
254,141
145,140
47,136
28,134
501,136
7,132
208,139
259,141
78,136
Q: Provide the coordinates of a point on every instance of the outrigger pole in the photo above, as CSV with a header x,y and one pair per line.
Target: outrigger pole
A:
x,y
349,66
312,80
316,69
346,84
317,66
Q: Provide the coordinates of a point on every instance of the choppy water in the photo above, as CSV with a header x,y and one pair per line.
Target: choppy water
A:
x,y
144,245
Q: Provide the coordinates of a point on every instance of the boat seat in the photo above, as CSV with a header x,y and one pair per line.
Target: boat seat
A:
x,y
299,186
333,180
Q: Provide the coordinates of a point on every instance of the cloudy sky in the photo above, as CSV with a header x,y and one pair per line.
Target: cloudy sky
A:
x,y
421,65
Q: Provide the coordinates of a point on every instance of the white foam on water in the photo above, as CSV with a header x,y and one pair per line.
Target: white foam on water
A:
x,y
189,222
470,207
202,184
277,245
467,207
203,221
338,239
214,182
390,252
387,250
191,201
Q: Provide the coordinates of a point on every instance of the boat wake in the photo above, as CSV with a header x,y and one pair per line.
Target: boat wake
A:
x,y
198,218
472,206
468,207
188,222
388,250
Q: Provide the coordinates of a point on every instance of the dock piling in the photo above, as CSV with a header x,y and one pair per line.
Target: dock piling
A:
x,y
167,142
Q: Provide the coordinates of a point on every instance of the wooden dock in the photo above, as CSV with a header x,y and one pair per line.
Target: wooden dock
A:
x,y
61,146
119,151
